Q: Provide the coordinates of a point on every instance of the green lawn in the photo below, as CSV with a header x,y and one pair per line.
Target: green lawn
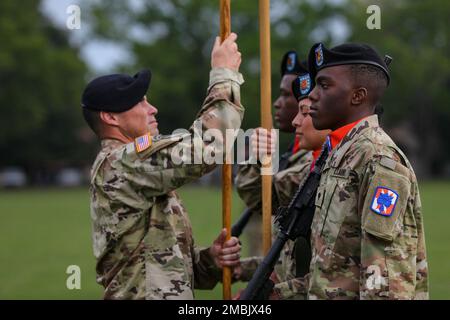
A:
x,y
44,231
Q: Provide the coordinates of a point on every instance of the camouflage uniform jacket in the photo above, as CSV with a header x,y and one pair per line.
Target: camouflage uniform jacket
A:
x,y
142,236
367,234
285,183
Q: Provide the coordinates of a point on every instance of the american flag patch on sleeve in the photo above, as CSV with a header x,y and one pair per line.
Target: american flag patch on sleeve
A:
x,y
143,142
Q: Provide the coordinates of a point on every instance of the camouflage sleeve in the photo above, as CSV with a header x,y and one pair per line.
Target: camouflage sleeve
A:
x,y
248,185
293,289
175,160
248,267
206,273
286,182
393,264
422,289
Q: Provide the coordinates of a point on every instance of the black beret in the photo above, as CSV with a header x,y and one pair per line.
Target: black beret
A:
x,y
290,64
350,53
302,86
116,92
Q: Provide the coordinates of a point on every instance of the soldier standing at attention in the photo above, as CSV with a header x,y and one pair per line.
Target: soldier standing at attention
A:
x,y
367,235
142,235
248,179
296,255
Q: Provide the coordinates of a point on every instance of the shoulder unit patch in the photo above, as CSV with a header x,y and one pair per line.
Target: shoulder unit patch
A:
x,y
384,201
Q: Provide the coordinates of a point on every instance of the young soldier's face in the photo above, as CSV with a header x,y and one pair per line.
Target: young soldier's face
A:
x,y
139,120
331,98
285,105
310,138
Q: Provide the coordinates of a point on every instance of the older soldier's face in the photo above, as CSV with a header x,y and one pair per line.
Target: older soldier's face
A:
x,y
331,106
139,120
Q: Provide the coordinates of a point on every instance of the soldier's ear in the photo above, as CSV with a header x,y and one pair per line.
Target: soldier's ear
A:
x,y
110,118
359,95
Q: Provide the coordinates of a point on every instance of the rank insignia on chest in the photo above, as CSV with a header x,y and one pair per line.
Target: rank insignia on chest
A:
x,y
143,142
384,201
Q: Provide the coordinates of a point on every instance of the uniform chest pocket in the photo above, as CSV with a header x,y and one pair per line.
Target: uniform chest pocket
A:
x,y
337,204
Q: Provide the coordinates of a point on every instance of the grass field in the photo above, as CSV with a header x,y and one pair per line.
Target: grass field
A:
x,y
42,232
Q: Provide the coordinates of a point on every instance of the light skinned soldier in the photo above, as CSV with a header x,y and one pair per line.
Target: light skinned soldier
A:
x,y
248,179
367,235
292,161
295,255
142,236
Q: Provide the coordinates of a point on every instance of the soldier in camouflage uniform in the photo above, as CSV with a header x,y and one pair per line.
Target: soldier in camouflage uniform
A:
x,y
367,234
291,165
141,232
295,257
248,180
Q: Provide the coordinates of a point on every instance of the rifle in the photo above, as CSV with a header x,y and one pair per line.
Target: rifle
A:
x,y
294,221
239,226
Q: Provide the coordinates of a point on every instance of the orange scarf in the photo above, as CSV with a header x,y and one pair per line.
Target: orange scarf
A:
x,y
337,135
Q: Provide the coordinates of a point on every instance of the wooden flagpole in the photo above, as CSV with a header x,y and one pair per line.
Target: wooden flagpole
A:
x,y
225,29
266,116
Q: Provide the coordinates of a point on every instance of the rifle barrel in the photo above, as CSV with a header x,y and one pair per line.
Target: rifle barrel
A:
x,y
239,226
265,268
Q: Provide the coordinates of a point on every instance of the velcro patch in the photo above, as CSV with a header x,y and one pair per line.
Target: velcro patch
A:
x,y
388,163
143,142
384,201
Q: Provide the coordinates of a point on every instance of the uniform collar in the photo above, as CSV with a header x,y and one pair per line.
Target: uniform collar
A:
x,y
299,154
337,135
315,154
296,146
352,134
292,156
110,144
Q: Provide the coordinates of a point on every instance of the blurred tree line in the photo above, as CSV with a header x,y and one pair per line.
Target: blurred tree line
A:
x,y
42,75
